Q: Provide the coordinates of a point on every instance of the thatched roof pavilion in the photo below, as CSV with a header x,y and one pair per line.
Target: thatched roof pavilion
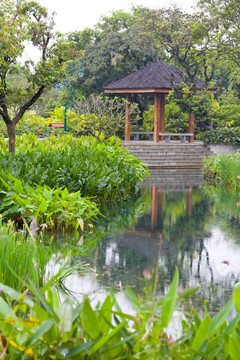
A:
x,y
157,79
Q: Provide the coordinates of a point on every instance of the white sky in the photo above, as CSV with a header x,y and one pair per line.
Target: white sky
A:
x,y
76,14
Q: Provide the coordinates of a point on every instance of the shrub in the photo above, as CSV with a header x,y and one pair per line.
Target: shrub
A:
x,y
102,170
227,136
56,208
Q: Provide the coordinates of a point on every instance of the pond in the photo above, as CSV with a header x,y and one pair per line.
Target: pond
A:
x,y
177,223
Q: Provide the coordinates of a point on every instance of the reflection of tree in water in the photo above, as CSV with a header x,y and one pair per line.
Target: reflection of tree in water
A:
x,y
183,220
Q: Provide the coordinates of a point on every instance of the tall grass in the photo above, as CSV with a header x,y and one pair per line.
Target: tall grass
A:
x,y
21,253
223,170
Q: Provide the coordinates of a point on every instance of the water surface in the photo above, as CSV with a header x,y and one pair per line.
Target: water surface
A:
x,y
180,226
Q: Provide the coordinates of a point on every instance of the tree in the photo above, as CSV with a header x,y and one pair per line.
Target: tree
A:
x,y
112,51
22,21
186,40
102,117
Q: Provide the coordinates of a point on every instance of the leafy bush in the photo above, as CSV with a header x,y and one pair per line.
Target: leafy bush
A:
x,y
54,207
225,135
228,115
102,170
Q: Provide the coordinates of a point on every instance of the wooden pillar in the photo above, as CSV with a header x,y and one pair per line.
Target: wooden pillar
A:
x,y
189,202
191,127
127,117
162,115
156,117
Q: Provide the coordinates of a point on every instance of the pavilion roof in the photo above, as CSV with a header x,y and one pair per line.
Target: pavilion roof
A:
x,y
157,76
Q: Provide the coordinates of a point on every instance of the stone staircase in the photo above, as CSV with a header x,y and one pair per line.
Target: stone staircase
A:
x,y
168,155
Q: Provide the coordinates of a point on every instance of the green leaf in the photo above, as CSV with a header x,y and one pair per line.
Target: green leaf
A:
x,y
133,298
233,347
45,327
107,337
89,320
78,349
18,186
236,296
5,309
188,292
65,193
221,317
170,301
233,324
202,333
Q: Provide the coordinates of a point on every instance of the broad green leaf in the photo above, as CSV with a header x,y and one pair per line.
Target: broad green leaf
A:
x,y
43,206
170,301
65,193
18,186
5,309
234,347
133,298
105,316
220,317
236,296
202,333
45,327
89,320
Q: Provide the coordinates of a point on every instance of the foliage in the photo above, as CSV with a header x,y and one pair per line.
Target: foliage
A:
x,y
42,326
224,135
102,117
115,50
225,18
185,38
56,208
223,170
102,170
228,115
21,22
202,105
175,119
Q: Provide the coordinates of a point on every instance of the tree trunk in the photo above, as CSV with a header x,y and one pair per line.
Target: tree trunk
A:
x,y
11,136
